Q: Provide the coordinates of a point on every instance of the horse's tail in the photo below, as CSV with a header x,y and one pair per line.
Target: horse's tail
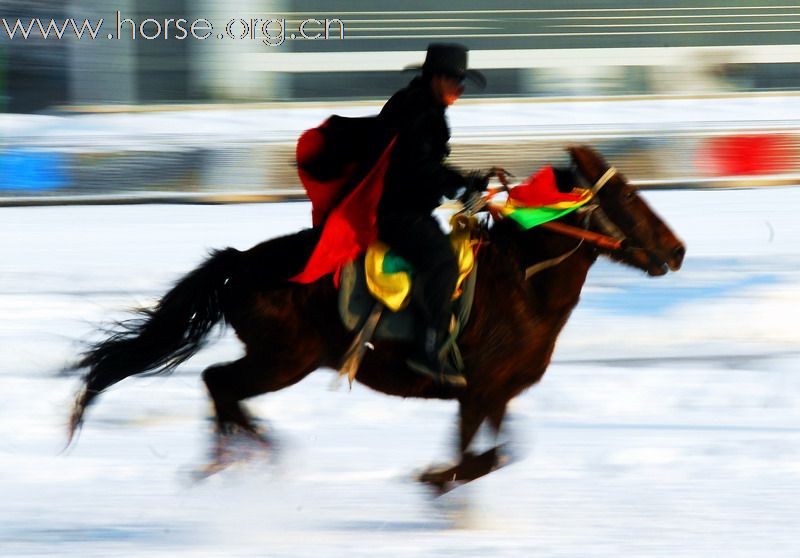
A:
x,y
163,337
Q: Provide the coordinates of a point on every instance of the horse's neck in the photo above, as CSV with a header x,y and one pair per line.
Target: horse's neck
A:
x,y
532,310
554,292
560,266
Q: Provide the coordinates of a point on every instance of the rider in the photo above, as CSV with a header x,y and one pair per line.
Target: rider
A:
x,y
415,181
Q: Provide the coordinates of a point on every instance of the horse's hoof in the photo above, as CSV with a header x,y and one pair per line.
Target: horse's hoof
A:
x,y
202,473
440,480
236,445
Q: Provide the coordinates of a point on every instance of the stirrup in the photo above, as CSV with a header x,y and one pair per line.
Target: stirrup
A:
x,y
445,376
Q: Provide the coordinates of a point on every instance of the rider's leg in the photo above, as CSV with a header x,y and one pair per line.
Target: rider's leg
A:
x,y
420,240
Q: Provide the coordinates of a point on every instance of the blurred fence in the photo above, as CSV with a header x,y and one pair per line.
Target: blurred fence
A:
x,y
247,153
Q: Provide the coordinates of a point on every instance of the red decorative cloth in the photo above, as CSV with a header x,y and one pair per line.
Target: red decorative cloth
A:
x,y
540,189
350,225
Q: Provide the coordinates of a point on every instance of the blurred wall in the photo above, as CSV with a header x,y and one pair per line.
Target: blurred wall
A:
x,y
107,71
36,72
547,48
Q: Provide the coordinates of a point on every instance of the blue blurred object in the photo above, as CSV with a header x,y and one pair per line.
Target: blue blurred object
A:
x,y
23,169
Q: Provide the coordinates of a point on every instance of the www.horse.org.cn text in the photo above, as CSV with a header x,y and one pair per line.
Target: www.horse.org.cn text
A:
x,y
271,32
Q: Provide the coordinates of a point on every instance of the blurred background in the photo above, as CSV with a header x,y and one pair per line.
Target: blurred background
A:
x,y
667,424
677,93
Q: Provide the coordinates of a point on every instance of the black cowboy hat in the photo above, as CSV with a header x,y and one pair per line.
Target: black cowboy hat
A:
x,y
449,59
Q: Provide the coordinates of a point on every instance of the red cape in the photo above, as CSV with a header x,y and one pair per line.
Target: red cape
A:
x,y
350,225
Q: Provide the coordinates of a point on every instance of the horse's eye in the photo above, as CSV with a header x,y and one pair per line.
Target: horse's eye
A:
x,y
628,195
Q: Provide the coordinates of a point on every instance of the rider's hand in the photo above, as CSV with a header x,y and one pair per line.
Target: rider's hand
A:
x,y
474,185
501,174
476,182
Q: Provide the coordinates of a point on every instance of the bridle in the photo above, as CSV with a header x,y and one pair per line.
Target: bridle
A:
x,y
611,236
603,180
591,212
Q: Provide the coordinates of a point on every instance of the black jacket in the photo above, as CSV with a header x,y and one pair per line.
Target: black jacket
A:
x,y
417,177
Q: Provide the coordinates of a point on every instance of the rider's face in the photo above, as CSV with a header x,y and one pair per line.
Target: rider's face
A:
x,y
447,89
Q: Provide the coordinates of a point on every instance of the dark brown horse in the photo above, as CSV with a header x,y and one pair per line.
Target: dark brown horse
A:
x,y
291,330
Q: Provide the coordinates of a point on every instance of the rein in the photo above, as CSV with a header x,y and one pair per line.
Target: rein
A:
x,y
532,270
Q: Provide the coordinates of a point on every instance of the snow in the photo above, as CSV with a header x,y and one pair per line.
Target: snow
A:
x,y
668,425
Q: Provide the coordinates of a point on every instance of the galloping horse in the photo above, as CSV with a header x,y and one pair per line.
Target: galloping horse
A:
x,y
527,285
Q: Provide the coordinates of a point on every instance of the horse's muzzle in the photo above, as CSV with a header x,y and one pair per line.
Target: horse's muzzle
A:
x,y
675,259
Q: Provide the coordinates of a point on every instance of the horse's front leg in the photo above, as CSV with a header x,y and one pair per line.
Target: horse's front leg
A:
x,y
471,466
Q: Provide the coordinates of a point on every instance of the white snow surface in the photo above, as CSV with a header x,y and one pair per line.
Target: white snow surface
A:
x,y
668,424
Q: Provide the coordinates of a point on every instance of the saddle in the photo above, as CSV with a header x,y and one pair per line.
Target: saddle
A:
x,y
381,280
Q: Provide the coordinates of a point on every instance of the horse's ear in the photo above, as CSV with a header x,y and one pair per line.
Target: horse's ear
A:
x,y
569,178
588,161
582,154
574,152
572,149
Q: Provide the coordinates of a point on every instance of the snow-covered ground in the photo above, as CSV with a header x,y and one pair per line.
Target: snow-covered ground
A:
x,y
668,425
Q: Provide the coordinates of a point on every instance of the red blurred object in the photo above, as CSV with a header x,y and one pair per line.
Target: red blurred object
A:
x,y
746,155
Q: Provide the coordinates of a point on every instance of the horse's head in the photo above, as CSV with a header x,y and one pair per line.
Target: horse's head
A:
x,y
649,244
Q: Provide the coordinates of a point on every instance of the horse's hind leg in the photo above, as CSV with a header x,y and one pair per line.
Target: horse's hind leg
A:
x,y
228,384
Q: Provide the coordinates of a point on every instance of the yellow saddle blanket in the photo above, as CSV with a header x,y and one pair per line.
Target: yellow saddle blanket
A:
x,y
389,276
